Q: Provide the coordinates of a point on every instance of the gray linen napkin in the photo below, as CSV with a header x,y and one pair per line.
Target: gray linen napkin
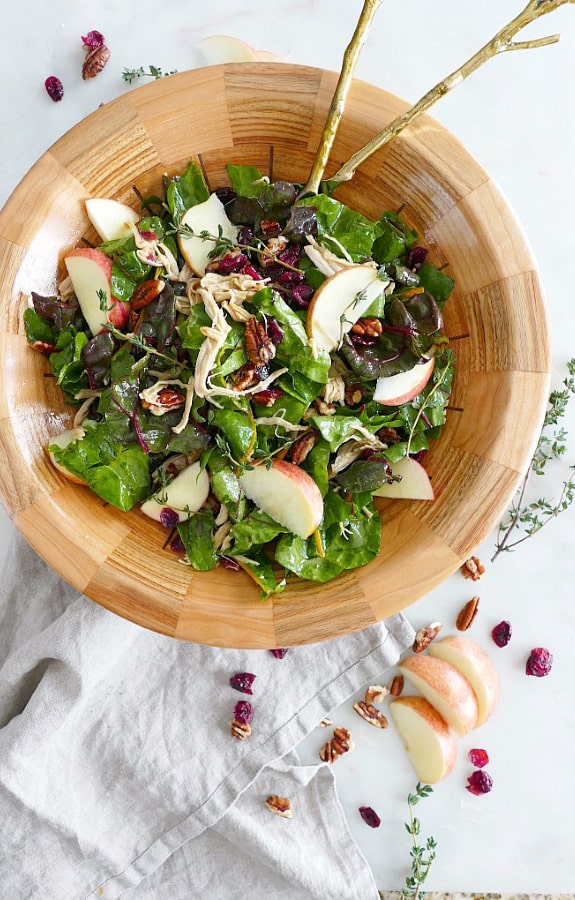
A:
x,y
118,773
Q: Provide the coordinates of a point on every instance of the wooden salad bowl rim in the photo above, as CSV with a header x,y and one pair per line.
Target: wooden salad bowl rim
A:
x,y
271,115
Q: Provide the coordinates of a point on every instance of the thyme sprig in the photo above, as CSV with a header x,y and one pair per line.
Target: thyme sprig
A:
x,y
530,517
136,341
422,857
130,75
223,244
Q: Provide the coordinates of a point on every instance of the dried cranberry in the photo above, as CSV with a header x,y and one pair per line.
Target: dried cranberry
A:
x,y
54,87
290,255
252,272
177,545
227,265
416,257
245,235
501,634
290,279
268,397
478,758
242,682
229,563
539,662
280,652
369,816
169,517
243,712
301,295
479,782
273,330
93,40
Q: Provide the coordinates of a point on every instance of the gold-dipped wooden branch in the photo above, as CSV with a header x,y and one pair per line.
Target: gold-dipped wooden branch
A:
x,y
350,59
502,42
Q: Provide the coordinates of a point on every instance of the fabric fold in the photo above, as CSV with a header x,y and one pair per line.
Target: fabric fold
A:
x,y
115,746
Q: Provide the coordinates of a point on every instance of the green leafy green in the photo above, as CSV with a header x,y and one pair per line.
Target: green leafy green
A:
x,y
196,535
185,191
349,228
247,181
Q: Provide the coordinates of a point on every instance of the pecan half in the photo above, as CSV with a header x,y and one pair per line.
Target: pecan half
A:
x,y
245,377
372,715
146,292
167,399
340,743
279,805
240,730
472,568
354,394
425,636
376,693
303,445
43,347
396,686
367,327
467,614
95,61
259,345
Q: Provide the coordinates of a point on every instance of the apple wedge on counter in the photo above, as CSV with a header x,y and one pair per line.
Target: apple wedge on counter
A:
x,y
459,687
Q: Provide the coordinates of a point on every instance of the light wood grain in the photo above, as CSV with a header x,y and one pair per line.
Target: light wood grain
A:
x,y
257,114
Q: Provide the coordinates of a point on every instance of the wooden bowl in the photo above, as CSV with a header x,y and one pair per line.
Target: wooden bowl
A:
x,y
271,115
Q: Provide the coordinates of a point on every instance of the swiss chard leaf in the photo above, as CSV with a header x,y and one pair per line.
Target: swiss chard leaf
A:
x,y
246,181
335,220
254,530
66,361
197,536
436,282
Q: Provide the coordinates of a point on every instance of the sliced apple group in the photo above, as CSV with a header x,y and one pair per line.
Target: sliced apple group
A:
x,y
221,48
209,216
445,688
110,218
430,742
184,495
415,483
90,271
287,494
339,302
393,390
476,666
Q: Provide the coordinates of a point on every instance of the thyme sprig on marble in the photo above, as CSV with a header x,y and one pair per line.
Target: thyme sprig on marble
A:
x,y
422,856
526,518
130,75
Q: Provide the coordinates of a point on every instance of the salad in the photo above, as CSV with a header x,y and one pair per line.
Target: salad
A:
x,y
249,369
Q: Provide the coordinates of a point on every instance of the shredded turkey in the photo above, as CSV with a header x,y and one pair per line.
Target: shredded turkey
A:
x,y
230,291
215,336
156,253
334,390
279,420
150,396
326,261
352,450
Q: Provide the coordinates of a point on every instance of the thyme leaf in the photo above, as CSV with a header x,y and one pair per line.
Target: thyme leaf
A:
x,y
130,75
525,518
422,856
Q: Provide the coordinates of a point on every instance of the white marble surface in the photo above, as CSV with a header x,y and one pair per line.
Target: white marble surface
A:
x,y
517,116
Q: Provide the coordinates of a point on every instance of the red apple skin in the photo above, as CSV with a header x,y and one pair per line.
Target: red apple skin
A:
x,y
431,676
97,256
462,652
444,734
119,314
425,373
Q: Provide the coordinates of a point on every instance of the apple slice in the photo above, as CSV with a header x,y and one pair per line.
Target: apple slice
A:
x,y
393,390
414,485
445,688
339,302
90,271
110,218
64,440
208,216
429,741
474,663
184,495
220,48
287,494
